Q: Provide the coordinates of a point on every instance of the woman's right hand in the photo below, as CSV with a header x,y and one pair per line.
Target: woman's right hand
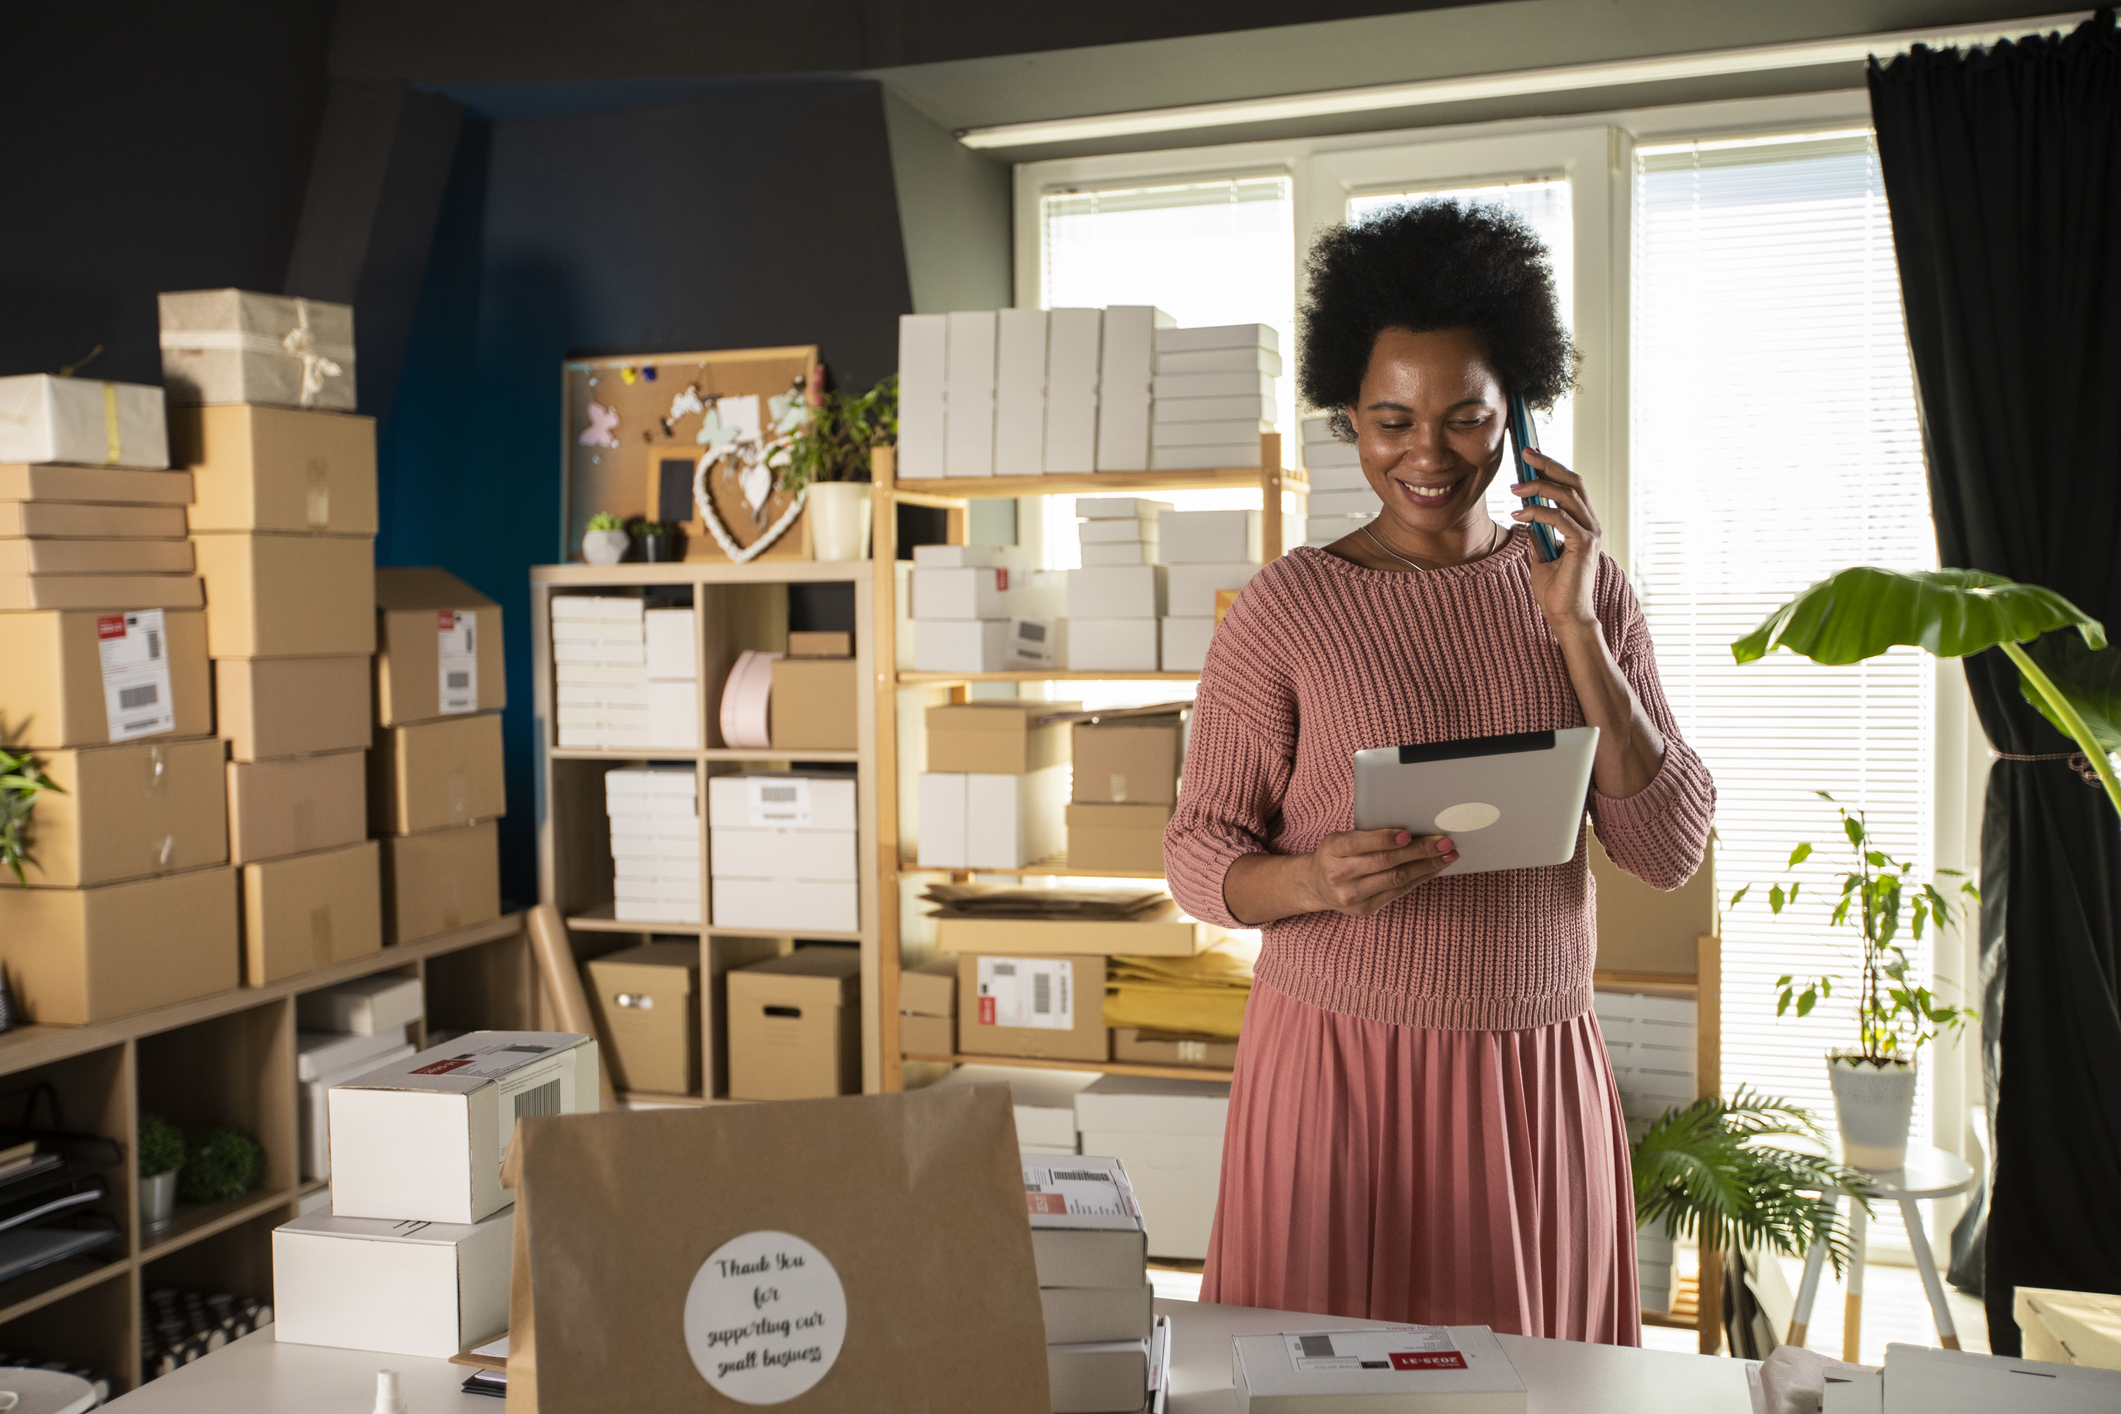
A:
x,y
1362,872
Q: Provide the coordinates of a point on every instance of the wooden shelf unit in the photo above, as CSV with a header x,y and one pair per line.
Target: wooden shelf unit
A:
x,y
227,1058
736,607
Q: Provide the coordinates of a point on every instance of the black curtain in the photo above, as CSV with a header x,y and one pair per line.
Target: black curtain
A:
x,y
2003,174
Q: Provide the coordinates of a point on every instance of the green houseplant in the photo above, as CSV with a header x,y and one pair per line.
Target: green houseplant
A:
x,y
605,540
658,540
21,780
160,1153
221,1162
828,461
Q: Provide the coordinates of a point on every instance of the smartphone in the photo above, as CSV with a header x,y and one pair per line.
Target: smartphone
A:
x,y
1523,439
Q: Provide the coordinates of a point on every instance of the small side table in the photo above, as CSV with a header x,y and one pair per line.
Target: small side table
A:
x,y
1929,1172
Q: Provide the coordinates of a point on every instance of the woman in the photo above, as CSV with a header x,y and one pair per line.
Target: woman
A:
x,y
1423,1125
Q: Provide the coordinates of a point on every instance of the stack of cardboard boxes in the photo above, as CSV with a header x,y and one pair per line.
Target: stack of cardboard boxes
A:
x,y
130,901
978,609
1341,500
1214,390
996,783
1105,1350
625,674
436,786
1125,787
1113,607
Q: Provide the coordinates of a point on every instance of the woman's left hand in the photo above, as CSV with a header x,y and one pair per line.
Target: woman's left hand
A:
x,y
1563,587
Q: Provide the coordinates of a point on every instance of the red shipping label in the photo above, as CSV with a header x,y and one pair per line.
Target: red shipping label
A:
x,y
1001,579
1048,1203
986,1011
110,626
1428,1360
445,619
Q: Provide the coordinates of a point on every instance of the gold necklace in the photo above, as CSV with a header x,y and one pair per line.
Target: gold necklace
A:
x,y
1424,569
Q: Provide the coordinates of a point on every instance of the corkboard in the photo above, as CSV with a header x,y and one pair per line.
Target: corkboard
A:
x,y
638,467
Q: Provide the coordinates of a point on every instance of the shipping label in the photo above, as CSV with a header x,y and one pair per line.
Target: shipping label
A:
x,y
1403,1348
1059,1191
456,645
777,802
1027,992
136,696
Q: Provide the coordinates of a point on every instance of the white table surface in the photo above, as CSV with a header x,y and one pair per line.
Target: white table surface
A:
x,y
259,1375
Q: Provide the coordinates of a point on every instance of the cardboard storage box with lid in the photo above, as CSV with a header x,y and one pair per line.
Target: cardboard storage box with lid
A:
x,y
814,703
304,911
1169,1134
283,469
646,1004
129,811
1049,1008
438,647
795,1026
83,678
75,956
927,1008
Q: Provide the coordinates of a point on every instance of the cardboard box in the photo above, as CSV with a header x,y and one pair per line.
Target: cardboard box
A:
x,y
673,716
1127,838
1125,368
1020,392
107,592
322,1053
961,645
673,642
945,819
968,437
1191,589
1232,431
438,647
1116,592
382,1005
927,1002
1427,1368
1128,761
795,1026
782,800
312,1130
310,910
81,955
646,1004
1117,532
82,420
268,708
775,854
1130,1043
2069,1327
823,643
927,1035
1094,1313
297,805
117,486
1086,1226
1113,645
1161,932
952,557
1211,397
1044,1100
814,704
288,596
1169,1135
1211,537
423,1140
1099,556
1184,644
997,737
130,811
440,880
923,354
1047,1008
1010,821
79,521
241,346
402,1288
436,773
1247,359
100,557
1074,352
80,678
277,468
1097,1377
789,906
1219,336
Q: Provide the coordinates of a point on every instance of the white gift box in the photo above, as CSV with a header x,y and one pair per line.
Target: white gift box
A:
x,y
1209,537
1115,592
960,645
985,821
1219,336
1326,479
1434,1369
799,906
1362,501
1212,397
1124,372
1235,432
923,347
366,1006
1125,552
781,800
240,346
1207,457
402,1288
784,854
1020,392
673,647
1074,353
1331,453
1250,359
1185,644
83,422
312,1132
1169,1135
1191,588
1113,645
968,400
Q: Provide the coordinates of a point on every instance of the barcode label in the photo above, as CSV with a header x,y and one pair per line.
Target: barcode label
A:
x,y
778,794
1042,994
777,802
135,675
457,662
539,1102
1079,1176
460,680
145,695
154,645
1027,991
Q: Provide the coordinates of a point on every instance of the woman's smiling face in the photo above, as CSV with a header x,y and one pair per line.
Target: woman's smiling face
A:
x,y
1429,428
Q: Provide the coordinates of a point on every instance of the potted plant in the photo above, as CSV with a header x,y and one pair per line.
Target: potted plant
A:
x,y
1874,1083
161,1155
21,778
605,541
829,455
220,1163
659,541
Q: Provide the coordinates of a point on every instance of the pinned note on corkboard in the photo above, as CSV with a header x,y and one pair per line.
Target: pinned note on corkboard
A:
x,y
654,434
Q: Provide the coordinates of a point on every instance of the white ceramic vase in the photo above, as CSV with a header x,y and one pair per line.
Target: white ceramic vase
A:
x,y
839,520
605,547
1873,1106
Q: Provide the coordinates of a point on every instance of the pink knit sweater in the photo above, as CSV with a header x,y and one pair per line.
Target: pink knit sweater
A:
x,y
1319,659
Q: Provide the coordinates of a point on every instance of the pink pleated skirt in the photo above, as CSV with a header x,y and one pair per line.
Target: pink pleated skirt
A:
x,y
1435,1177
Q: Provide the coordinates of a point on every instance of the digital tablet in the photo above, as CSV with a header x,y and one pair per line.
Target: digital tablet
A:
x,y
1507,802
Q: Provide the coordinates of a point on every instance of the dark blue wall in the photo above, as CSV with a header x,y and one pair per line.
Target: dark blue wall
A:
x,y
760,216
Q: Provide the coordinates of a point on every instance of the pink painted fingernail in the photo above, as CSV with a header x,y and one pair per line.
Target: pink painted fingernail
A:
x,y
1404,838
1451,858
1444,845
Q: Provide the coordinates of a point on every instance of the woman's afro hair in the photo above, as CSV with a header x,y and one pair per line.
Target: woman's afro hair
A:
x,y
1434,264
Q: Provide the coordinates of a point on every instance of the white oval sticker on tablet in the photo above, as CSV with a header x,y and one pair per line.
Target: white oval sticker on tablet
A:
x,y
765,1318
1465,818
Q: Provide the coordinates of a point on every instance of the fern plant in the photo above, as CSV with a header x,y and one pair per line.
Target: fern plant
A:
x,y
21,778
1705,1174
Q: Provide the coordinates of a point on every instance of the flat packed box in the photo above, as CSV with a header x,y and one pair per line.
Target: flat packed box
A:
x,y
782,800
1100,1377
795,1026
129,811
401,1288
110,592
117,486
1128,760
1141,1047
1162,931
1169,1134
968,394
80,521
1116,592
645,1001
99,557
1020,392
1248,359
1044,1102
83,421
1125,368
424,1139
1074,351
243,346
740,853
437,881
1124,645
312,1130
310,910
273,707
1048,1008
297,805
1415,1369
998,736
1210,537
927,995
923,354
1184,644
287,596
814,704
79,955
795,906
1219,336
274,468
436,773
1126,838
1086,1225
438,647
367,1006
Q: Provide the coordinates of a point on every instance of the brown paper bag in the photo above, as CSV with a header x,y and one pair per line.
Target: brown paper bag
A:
x,y
863,1254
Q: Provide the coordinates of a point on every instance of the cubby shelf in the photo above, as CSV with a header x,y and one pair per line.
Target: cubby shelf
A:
x,y
58,1281
1155,1072
600,920
195,1222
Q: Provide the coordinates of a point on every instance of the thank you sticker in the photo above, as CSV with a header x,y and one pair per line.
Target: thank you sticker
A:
x,y
765,1318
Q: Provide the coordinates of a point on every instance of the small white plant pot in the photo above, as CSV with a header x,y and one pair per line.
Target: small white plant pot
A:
x,y
1653,1267
605,547
839,520
158,1200
1873,1105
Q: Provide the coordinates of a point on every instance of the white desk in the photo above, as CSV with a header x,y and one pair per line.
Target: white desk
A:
x,y
258,1375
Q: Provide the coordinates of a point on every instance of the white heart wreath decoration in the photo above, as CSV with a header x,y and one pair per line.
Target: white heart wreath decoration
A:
x,y
751,457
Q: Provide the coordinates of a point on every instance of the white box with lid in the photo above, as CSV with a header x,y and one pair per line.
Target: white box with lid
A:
x,y
968,397
1020,392
1169,1135
401,1288
1124,370
923,350
1074,352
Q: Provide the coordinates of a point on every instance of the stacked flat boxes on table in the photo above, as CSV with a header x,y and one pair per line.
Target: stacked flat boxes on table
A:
x,y
436,780
783,852
1341,499
1088,1244
625,674
1214,391
997,781
130,901
1124,788
979,609
1114,604
655,843
1206,553
415,1253
1169,1134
